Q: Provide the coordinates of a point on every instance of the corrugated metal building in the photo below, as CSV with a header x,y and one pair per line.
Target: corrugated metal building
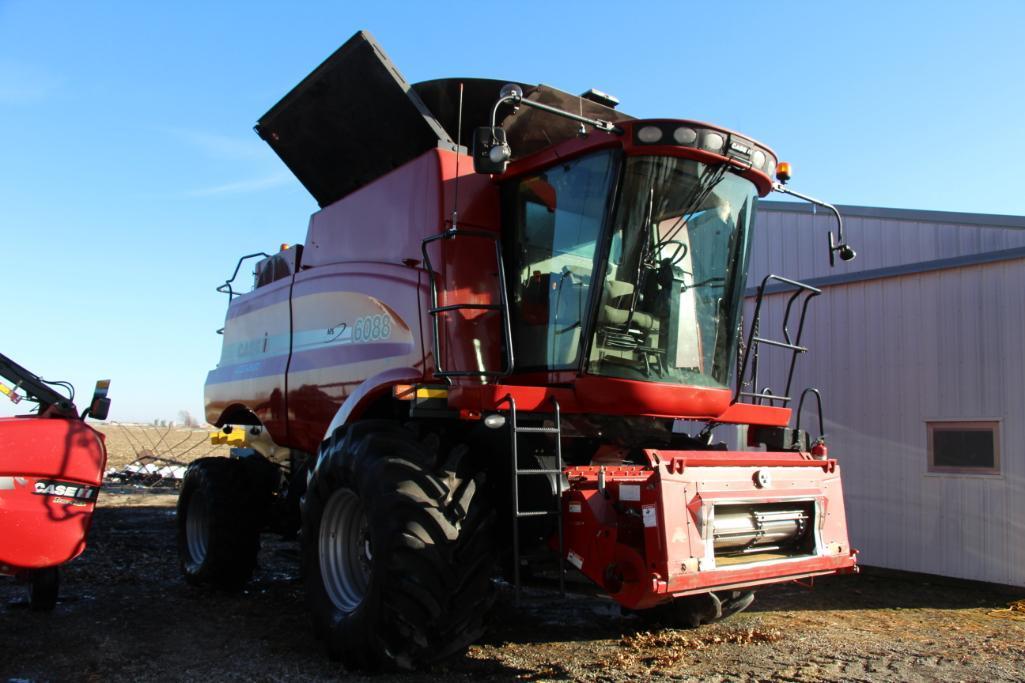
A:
x,y
918,348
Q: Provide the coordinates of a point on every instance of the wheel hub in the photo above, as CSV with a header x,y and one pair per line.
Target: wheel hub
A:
x,y
345,550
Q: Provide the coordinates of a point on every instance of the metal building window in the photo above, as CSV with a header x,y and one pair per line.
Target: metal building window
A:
x,y
964,447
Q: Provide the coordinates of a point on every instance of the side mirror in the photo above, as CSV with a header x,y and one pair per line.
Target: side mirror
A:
x,y
491,152
839,247
100,405
837,244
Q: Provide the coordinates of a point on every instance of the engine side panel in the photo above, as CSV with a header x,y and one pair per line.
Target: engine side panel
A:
x,y
351,322
355,312
254,358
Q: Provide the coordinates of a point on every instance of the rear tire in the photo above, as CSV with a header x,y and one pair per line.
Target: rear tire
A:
x,y
219,518
43,589
397,549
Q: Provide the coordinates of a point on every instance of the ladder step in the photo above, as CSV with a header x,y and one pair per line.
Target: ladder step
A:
x,y
795,283
782,345
543,468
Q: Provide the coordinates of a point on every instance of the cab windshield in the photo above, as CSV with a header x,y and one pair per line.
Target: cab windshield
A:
x,y
677,266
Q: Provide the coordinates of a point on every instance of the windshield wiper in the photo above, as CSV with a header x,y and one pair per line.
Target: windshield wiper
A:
x,y
642,258
706,183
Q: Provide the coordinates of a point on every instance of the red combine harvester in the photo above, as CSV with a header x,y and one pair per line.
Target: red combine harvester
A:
x,y
51,467
507,360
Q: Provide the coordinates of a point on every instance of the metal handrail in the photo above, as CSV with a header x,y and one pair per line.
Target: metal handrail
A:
x,y
791,343
800,408
226,287
503,306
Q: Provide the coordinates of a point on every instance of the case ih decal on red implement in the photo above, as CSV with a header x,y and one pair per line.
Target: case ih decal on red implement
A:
x,y
66,490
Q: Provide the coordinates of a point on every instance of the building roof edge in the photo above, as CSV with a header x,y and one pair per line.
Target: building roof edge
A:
x,y
984,220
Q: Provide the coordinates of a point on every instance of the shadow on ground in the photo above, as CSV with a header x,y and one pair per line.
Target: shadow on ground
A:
x,y
125,614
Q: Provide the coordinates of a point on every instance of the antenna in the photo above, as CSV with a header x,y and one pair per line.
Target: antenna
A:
x,y
459,142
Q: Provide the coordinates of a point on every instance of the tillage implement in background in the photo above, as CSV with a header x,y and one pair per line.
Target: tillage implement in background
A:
x,y
502,350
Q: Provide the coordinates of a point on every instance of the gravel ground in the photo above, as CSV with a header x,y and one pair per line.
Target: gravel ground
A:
x,y
125,614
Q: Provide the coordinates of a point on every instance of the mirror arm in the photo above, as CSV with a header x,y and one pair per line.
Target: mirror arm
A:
x,y
517,99
837,244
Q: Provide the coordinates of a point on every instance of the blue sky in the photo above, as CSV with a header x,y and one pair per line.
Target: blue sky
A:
x,y
131,180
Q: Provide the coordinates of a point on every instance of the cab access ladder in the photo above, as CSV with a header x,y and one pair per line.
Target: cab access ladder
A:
x,y
515,430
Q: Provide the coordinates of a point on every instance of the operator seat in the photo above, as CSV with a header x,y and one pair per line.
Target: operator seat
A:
x,y
615,308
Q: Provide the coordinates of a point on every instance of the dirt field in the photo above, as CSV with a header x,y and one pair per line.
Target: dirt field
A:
x,y
125,614
126,443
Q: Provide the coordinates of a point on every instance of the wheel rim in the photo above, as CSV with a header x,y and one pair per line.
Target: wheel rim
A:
x,y
345,550
197,528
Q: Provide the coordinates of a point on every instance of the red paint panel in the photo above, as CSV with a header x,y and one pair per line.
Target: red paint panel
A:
x,y
614,396
384,221
677,461
46,529
758,576
748,414
344,334
477,193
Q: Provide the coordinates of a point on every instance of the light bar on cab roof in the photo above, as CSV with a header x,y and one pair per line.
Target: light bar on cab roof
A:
x,y
712,140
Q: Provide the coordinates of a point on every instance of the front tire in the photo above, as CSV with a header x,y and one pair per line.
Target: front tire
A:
x,y
219,523
397,549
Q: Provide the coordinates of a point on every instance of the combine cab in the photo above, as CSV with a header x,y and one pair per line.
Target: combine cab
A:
x,y
504,348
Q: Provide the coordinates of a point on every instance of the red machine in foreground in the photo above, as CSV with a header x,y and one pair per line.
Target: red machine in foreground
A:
x,y
51,467
508,361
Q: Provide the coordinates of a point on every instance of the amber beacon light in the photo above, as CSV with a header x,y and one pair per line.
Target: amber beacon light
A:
x,y
783,171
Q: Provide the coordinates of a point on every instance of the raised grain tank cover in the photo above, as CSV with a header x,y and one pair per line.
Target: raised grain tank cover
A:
x,y
350,121
355,118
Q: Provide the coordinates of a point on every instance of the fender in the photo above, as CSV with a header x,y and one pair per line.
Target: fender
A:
x,y
358,401
369,391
